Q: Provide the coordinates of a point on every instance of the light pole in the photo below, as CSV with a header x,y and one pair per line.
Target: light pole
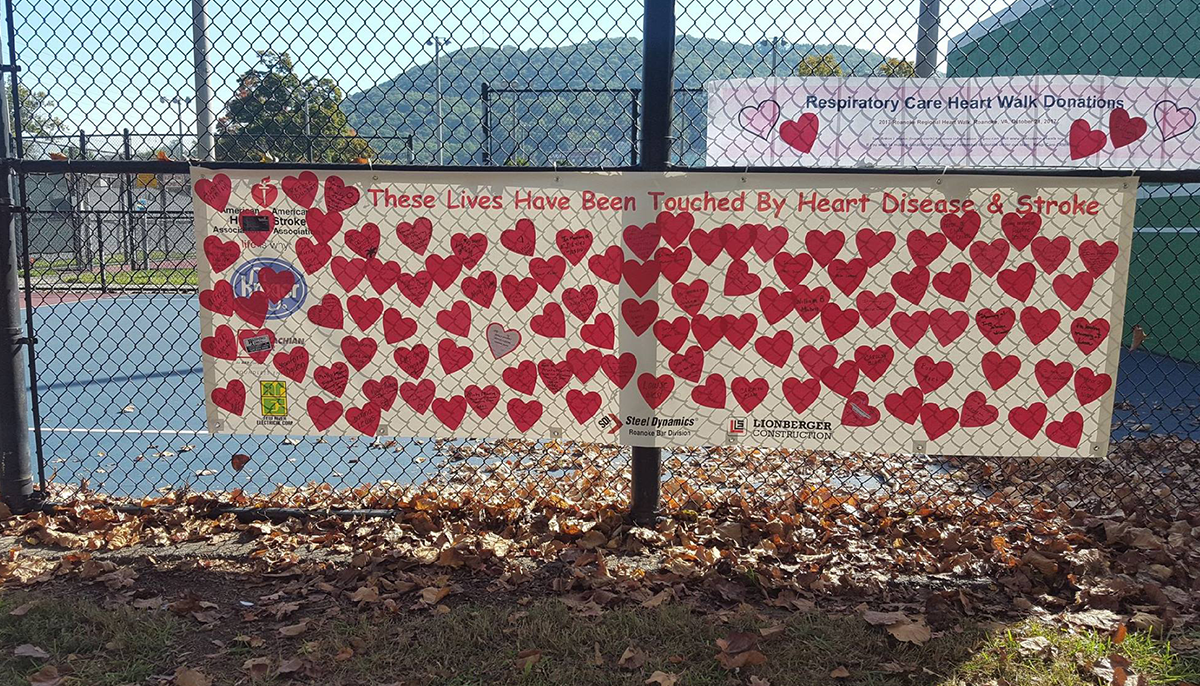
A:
x,y
438,42
928,19
179,103
774,43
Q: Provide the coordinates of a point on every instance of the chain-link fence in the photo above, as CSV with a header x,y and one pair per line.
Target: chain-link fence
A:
x,y
110,256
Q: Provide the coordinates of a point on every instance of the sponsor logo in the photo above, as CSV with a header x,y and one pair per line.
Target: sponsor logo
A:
x,y
245,282
273,395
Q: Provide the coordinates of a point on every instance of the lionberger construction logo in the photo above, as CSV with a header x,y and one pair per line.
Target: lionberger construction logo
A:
x,y
783,428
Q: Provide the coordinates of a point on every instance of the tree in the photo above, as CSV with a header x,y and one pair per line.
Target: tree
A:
x,y
896,68
819,65
267,114
36,119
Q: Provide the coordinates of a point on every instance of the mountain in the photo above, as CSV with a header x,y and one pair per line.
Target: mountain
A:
x,y
573,128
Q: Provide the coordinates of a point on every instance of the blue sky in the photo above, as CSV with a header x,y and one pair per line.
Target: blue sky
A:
x,y
105,62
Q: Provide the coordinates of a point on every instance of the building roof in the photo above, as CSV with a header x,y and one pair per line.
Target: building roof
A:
x,y
1008,15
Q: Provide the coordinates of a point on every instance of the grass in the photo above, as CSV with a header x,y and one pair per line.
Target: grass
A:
x,y
141,277
109,646
479,644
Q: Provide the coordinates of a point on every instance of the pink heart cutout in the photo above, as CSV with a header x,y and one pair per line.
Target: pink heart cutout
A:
x,y
760,120
1173,120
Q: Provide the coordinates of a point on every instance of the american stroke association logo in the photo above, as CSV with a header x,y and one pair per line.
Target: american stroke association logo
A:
x,y
246,280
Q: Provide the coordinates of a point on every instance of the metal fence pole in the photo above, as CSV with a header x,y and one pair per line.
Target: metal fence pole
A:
x,y
100,253
127,198
927,37
485,121
658,70
634,94
204,140
16,481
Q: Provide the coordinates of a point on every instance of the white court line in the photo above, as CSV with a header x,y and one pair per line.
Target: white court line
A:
x,y
196,432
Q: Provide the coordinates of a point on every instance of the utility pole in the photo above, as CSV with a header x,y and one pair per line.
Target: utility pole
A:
x,y
928,20
204,141
179,103
658,75
774,43
16,478
438,43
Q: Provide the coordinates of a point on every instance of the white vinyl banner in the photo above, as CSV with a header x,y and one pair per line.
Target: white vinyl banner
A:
x,y
1003,121
974,315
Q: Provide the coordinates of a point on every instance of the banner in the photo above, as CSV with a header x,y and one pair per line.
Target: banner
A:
x,y
956,314
1009,121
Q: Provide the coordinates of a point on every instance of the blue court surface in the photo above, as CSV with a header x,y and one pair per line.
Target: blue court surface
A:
x,y
121,400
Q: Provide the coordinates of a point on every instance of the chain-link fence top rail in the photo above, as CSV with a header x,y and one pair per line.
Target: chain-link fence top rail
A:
x,y
537,83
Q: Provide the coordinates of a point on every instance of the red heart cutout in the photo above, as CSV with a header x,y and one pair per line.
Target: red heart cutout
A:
x,y
874,308
450,411
301,189
910,328
1088,335
555,375
549,272
524,414
619,370
218,299
339,196
801,394
816,360
947,326
581,302
905,406
364,311
976,411
1028,420
931,375
1021,228
1082,141
312,256
607,266
675,227
707,244
443,270
1049,254
323,414
961,230
792,268
348,273
858,411
276,284
583,406
359,351
412,360
690,297
810,302
640,276
333,379
363,242
1090,386
673,263
551,323
999,369
937,421
382,392
989,257
925,248
382,275
655,389
642,240
775,349
521,378
364,419
739,240
1018,282
775,305
574,245
293,364
873,362
672,333
1068,431
397,327
841,378
601,333
874,247
452,356
415,235
231,397
1123,128
327,313
800,133
585,363
481,400
1039,324
708,331
995,324
521,239
323,226
1097,257
419,396
1051,377
456,320
711,393
847,276
749,393
639,315
221,254
469,249
1074,290
954,284
481,289
688,365
252,308
824,246
769,241
518,292
911,285
738,329
215,192
838,322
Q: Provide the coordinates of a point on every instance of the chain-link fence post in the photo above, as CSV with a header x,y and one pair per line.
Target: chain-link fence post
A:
x,y
928,20
658,69
16,482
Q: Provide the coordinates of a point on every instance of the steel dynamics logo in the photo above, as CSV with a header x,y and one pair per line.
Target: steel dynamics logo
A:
x,y
790,428
660,427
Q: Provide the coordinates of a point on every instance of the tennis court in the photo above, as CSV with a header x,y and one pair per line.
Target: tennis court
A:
x,y
121,401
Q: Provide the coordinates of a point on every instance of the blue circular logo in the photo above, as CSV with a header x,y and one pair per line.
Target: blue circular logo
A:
x,y
285,287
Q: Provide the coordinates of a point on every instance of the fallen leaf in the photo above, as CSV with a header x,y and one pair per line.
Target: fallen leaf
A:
x,y
31,651
597,658
365,594
46,676
737,642
632,658
185,676
294,629
291,665
742,659
344,654
257,667
658,598
22,610
1119,636
238,460
757,681
663,679
840,673
911,632
592,539
526,659
883,618
773,630
434,594
1035,645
